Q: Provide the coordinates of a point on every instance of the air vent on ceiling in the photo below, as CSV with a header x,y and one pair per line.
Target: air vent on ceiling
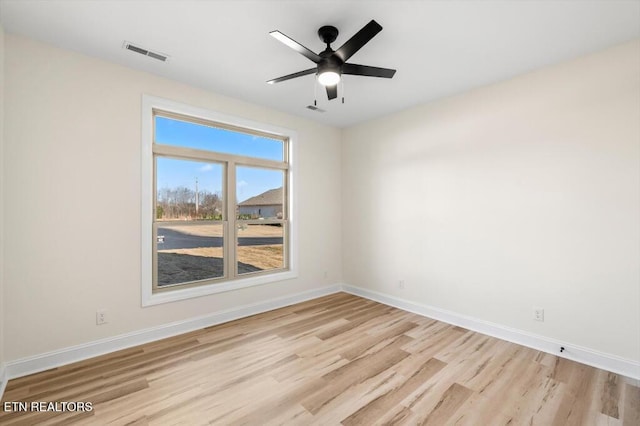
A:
x,y
314,108
146,52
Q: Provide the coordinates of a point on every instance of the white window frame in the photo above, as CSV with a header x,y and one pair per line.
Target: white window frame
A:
x,y
149,297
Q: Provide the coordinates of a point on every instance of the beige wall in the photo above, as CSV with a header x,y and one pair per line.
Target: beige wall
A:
x,y
525,193
72,199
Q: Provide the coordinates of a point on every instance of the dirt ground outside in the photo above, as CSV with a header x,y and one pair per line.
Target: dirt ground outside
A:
x,y
184,265
263,257
199,263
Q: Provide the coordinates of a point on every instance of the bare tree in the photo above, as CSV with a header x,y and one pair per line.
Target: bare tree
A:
x,y
180,203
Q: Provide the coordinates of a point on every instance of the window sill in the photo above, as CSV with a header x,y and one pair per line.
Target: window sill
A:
x,y
150,299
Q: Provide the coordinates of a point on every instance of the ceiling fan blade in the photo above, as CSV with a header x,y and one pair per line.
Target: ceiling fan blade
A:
x,y
355,69
295,46
294,75
359,39
332,92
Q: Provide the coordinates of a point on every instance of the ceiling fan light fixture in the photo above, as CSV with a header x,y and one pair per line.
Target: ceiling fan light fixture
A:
x,y
329,78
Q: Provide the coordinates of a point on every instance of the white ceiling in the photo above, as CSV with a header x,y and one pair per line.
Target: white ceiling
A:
x,y
439,48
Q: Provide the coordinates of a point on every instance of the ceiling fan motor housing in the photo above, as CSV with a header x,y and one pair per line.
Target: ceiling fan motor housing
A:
x,y
329,63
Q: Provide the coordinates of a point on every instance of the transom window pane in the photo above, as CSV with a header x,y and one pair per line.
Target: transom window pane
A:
x,y
186,134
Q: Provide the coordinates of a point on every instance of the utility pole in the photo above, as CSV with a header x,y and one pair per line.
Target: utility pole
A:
x,y
197,198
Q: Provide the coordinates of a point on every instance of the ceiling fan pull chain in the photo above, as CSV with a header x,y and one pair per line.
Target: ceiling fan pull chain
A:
x,y
342,89
315,92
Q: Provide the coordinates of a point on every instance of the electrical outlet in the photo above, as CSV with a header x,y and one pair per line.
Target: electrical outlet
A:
x,y
401,284
101,317
538,314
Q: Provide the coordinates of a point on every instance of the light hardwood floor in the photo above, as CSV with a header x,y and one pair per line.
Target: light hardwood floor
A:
x,y
335,360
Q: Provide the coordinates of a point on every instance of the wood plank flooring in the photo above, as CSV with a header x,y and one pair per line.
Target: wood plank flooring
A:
x,y
335,360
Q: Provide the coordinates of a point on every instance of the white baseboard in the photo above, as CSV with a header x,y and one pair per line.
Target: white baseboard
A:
x,y
624,367
46,361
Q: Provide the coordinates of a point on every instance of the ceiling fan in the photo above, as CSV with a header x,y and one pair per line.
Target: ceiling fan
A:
x,y
330,64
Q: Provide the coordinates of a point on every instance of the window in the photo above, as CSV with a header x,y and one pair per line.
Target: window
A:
x,y
217,211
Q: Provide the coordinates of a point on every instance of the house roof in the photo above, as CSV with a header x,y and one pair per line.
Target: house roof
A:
x,y
269,198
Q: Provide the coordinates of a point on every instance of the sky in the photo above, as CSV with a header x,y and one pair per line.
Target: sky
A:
x,y
250,181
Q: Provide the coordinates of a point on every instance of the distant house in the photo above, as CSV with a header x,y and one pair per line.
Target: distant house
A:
x,y
267,205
